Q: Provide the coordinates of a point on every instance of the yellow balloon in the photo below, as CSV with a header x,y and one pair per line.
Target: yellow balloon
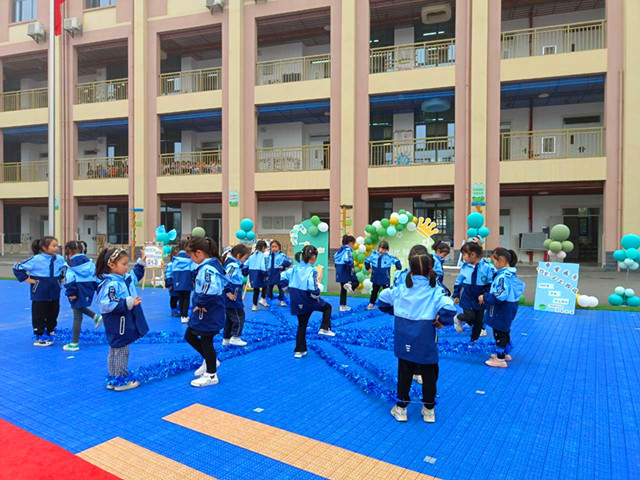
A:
x,y
415,219
360,287
393,221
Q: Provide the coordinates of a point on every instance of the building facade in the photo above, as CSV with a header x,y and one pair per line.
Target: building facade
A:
x,y
281,109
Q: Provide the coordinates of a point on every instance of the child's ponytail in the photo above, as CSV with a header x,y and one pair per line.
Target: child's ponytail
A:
x,y
306,254
35,246
421,264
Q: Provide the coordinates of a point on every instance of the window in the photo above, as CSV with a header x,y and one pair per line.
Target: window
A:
x,y
549,50
98,3
379,208
441,213
171,218
582,120
24,10
117,225
548,145
12,227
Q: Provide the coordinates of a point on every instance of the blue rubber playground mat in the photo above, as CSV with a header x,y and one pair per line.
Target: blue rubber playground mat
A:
x,y
567,407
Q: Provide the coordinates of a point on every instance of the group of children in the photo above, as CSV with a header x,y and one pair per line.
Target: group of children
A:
x,y
420,302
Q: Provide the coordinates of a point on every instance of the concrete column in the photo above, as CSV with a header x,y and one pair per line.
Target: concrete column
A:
x,y
336,125
59,216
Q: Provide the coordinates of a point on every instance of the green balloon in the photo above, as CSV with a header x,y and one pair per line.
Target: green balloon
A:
x,y
555,247
315,220
567,246
546,243
560,233
370,229
400,227
368,240
357,269
313,230
385,223
360,277
382,231
361,257
198,232
374,239
400,212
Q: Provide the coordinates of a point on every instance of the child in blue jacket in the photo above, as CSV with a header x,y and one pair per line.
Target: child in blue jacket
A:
x,y
502,303
345,271
182,269
419,306
257,265
44,271
236,271
474,280
381,262
168,282
305,290
123,318
208,313
440,252
277,262
80,285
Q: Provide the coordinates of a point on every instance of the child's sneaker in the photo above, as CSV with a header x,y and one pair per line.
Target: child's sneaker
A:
x,y
263,302
399,413
203,368
175,313
507,357
71,347
345,308
283,303
42,343
97,320
371,306
238,342
496,362
428,414
483,333
205,380
127,386
299,354
327,332
184,319
418,378
458,324
255,308
226,341
110,386
348,287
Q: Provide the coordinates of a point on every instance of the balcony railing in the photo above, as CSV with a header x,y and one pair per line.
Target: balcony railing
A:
x,y
573,37
23,100
106,167
25,171
411,151
293,159
411,57
105,91
294,69
191,163
191,81
545,144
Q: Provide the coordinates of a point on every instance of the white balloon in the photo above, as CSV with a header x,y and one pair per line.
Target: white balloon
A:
x,y
561,255
323,227
481,239
360,240
594,302
394,215
367,283
622,265
551,254
619,290
635,266
377,224
629,261
362,248
411,227
629,292
584,301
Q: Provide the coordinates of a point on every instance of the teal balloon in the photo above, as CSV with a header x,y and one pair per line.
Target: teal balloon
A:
x,y
246,224
633,301
484,232
616,300
313,230
166,250
198,232
382,232
632,253
472,232
403,219
163,238
172,234
630,240
619,255
315,220
560,233
391,231
251,236
475,220
241,234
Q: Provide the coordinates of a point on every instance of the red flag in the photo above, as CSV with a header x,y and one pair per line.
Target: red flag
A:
x,y
57,16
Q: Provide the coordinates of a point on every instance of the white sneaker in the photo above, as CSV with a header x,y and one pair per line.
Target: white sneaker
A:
x,y
371,306
283,303
184,320
400,414
42,343
496,362
263,302
201,370
255,308
428,414
238,342
71,347
483,333
226,341
458,324
127,386
418,378
507,357
97,320
205,380
299,354
348,287
327,332
345,308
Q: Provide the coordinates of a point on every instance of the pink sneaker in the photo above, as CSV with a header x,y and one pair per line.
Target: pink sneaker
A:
x,y
507,357
496,362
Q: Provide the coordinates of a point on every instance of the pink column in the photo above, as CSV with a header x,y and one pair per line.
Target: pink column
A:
x,y
226,234
336,124
5,18
130,76
70,146
613,128
248,197
124,10
152,203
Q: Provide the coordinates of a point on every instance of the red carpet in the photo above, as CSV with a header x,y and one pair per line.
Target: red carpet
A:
x,y
24,456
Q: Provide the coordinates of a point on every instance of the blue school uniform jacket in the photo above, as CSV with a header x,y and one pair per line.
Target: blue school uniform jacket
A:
x,y
168,279
276,264
209,294
343,260
182,272
503,298
415,338
236,271
381,264
123,323
47,271
257,266
438,268
303,289
80,281
473,282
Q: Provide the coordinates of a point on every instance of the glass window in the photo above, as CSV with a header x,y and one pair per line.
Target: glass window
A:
x,y
24,10
379,208
12,227
98,3
117,225
439,212
171,218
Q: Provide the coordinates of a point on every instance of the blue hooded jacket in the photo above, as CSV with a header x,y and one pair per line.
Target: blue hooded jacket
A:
x,y
257,266
276,264
381,274
209,295
303,289
503,299
236,271
343,260
123,323
168,279
80,281
415,338
182,272
473,282
47,270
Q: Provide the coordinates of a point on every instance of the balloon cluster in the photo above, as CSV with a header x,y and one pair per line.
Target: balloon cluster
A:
x,y
475,222
624,296
559,245
245,233
629,255
164,237
390,227
317,226
587,301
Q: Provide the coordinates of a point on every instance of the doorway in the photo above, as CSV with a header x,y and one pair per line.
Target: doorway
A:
x,y
505,228
584,224
88,232
212,224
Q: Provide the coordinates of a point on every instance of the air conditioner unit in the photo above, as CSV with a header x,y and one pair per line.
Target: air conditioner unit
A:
x,y
72,26
214,5
36,31
436,13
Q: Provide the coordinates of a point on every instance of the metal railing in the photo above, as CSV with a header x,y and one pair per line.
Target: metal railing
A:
x,y
293,159
23,100
191,81
544,144
411,151
25,171
411,57
104,91
191,163
294,69
572,37
105,167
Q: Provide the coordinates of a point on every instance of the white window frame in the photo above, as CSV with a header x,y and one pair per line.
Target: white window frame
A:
x,y
550,47
544,151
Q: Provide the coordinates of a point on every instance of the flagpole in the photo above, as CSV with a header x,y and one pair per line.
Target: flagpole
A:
x,y
51,126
